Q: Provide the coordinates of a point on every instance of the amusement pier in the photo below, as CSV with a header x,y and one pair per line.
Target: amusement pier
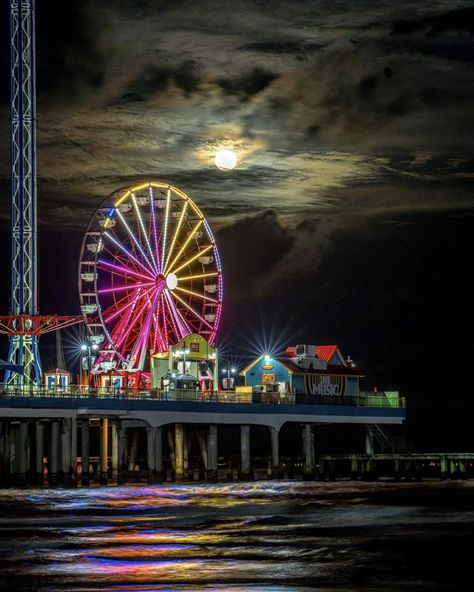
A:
x,y
151,401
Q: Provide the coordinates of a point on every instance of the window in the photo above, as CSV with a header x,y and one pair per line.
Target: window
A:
x,y
194,347
268,378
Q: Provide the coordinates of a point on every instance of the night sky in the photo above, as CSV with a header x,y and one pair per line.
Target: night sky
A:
x,y
349,217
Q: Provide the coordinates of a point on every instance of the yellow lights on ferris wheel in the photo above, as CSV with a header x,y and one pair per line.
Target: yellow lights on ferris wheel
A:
x,y
183,247
193,258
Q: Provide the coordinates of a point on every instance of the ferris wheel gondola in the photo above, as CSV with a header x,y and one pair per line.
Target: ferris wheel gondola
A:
x,y
150,274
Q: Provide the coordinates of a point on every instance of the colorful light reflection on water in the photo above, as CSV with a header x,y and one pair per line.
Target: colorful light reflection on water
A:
x,y
274,536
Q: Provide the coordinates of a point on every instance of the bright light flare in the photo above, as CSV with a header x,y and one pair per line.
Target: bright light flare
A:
x,y
225,160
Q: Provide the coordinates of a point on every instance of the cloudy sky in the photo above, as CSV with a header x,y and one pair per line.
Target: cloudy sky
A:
x,y
349,216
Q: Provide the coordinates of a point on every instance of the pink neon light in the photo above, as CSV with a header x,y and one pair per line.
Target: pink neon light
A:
x,y
176,320
177,331
194,312
130,287
124,269
120,310
131,325
141,349
155,237
127,252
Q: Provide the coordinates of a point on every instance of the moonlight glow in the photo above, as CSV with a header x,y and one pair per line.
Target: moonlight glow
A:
x,y
225,160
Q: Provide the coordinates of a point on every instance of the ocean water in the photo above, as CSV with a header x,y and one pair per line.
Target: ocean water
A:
x,y
268,536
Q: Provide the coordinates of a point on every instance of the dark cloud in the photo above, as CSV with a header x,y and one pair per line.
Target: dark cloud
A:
x,y
155,80
69,53
278,47
249,83
459,21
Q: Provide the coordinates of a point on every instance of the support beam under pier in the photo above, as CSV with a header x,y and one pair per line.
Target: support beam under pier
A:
x,y
245,451
39,455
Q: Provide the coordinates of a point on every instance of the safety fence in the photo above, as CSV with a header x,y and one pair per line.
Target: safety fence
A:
x,y
79,391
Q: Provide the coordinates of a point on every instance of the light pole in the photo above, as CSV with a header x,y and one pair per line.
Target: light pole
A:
x,y
183,353
229,370
89,348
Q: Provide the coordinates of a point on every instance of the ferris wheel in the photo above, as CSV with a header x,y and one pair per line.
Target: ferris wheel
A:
x,y
149,274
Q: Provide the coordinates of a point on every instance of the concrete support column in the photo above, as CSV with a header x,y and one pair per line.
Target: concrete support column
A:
x,y
159,453
39,440
123,453
24,452
3,455
150,453
212,452
104,449
308,451
170,438
369,442
65,450
179,451
245,451
132,459
53,460
73,457
13,450
185,452
274,437
115,437
85,451
203,448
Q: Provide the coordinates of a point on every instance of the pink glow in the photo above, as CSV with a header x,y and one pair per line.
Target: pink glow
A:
x,y
193,311
155,237
148,270
130,303
125,270
130,287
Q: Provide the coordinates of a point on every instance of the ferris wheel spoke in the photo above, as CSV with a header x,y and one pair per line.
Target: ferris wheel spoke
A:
x,y
176,233
132,301
179,323
142,226
134,318
178,312
164,322
193,258
135,241
191,309
154,230
197,295
165,227
158,343
185,244
198,276
148,270
120,270
122,288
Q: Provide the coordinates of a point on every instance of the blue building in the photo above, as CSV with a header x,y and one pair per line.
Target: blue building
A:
x,y
309,372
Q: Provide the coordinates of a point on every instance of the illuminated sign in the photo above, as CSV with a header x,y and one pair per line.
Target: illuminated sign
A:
x,y
268,378
325,385
267,366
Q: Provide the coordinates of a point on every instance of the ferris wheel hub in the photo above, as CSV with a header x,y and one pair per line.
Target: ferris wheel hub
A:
x,y
171,281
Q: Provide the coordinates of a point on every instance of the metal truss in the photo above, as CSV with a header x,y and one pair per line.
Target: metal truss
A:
x,y
24,298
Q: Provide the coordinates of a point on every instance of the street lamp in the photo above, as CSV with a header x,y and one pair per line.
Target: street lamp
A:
x,y
89,348
182,353
229,370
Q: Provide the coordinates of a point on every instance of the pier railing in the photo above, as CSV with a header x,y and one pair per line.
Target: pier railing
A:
x,y
91,392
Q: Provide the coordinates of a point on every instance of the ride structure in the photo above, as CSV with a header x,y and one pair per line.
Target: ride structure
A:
x,y
24,325
149,275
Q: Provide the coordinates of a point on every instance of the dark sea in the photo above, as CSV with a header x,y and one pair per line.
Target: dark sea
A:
x,y
268,536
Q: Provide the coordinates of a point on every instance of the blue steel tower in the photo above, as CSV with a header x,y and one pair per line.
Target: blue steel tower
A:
x,y
24,281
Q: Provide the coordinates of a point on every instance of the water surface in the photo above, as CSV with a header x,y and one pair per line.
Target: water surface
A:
x,y
268,536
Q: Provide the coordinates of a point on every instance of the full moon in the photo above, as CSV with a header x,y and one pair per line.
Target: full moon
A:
x,y
225,160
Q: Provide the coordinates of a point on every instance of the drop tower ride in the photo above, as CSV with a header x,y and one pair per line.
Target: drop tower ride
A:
x,y
24,325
